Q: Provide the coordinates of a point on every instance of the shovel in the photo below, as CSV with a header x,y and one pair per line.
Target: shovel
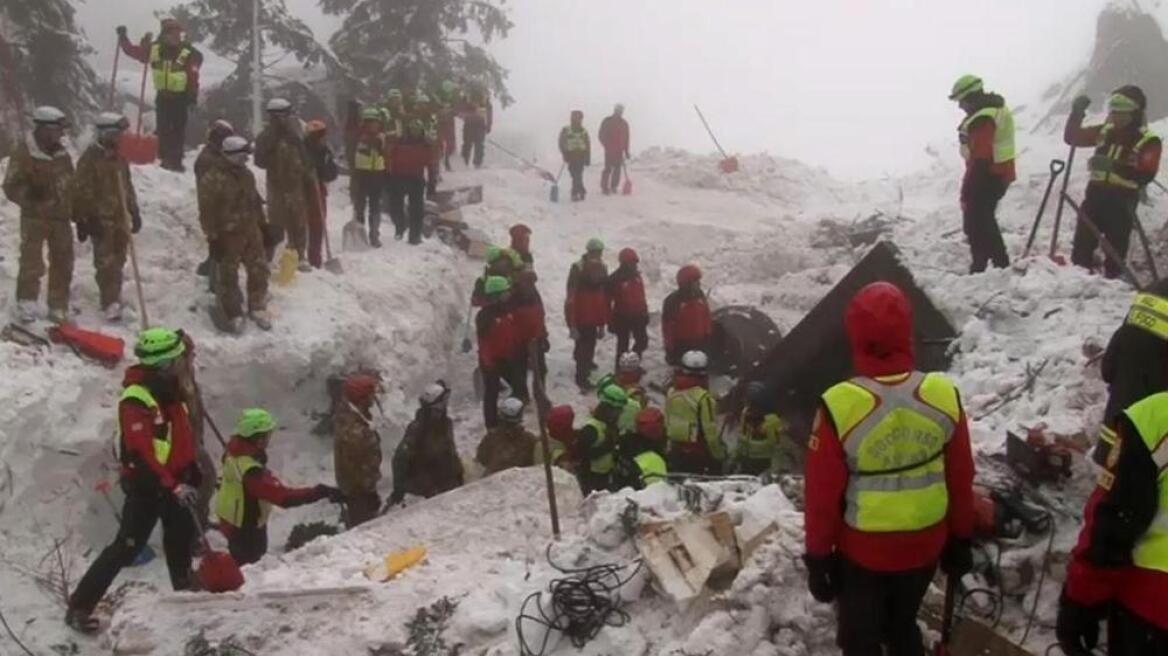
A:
x,y
627,187
353,237
1057,166
467,344
951,585
331,264
1104,242
1058,216
554,194
728,164
286,270
218,571
114,77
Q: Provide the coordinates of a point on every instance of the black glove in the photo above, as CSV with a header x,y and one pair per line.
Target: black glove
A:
x,y
135,222
82,231
329,492
957,558
1077,627
1080,104
823,577
121,29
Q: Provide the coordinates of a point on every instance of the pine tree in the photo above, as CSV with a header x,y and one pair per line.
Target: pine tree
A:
x,y
387,43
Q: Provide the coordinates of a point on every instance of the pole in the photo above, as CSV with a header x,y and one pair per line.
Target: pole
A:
x,y
1057,166
711,132
951,584
257,87
143,319
1058,216
114,75
206,414
1103,241
1147,248
541,405
142,96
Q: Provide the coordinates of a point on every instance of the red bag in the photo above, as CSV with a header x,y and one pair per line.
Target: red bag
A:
x,y
103,348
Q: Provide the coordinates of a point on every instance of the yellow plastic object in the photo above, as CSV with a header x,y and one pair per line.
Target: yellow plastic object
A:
x,y
395,563
286,271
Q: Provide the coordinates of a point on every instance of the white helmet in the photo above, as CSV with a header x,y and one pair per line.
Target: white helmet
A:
x,y
234,145
279,105
511,410
629,361
695,362
48,115
435,395
111,121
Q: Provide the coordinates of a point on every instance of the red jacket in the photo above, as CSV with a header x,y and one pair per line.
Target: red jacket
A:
x,y
140,424
141,52
685,319
262,485
881,346
530,317
498,337
587,303
627,289
1140,165
410,158
614,135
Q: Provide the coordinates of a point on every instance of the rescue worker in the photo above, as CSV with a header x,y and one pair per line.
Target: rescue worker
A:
x,y
249,489
357,449
630,310
759,433
695,442
531,330
641,460
629,374
1119,568
686,323
409,160
1127,159
499,263
424,111
596,441
576,148
889,483
324,164
37,181
235,227
614,136
521,243
1142,338
508,444
627,424
498,342
105,208
587,308
367,182
478,119
352,130
291,179
159,475
561,438
448,97
210,155
175,64
987,145
426,462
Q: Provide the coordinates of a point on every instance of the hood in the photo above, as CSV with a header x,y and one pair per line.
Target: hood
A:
x,y
880,327
238,446
136,375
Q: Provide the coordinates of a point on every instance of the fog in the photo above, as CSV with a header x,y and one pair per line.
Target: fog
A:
x,y
857,86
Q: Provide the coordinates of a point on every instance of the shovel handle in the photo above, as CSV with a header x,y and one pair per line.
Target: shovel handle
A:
x,y
1057,166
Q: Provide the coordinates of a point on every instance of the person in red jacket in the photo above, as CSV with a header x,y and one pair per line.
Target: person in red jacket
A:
x,y
498,338
686,324
410,158
587,308
531,327
159,474
876,525
521,243
1126,160
614,136
630,310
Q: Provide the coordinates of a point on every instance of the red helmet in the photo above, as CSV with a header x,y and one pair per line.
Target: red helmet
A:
x,y
629,256
879,323
688,274
651,424
359,388
559,421
519,229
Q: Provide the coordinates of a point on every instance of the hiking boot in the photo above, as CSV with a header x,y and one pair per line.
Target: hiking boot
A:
x,y
59,315
398,234
204,268
26,311
82,621
375,240
113,312
261,318
234,325
304,266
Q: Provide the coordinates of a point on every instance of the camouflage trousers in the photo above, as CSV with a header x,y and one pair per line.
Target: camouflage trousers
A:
x,y
243,246
35,234
109,261
289,216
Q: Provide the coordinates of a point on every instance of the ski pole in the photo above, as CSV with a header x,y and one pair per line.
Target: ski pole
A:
x,y
1058,217
1057,166
1147,248
126,220
711,132
114,76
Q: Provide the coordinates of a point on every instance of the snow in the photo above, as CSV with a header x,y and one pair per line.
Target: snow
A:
x,y
402,311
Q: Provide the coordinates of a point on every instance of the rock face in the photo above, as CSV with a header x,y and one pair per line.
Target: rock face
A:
x,y
1129,49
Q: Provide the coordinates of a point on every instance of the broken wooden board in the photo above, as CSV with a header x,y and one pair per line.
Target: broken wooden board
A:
x,y
688,555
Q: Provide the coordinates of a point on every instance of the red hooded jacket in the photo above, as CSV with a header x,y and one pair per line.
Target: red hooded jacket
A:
x,y
139,426
587,303
879,324
498,337
627,289
262,485
685,318
528,310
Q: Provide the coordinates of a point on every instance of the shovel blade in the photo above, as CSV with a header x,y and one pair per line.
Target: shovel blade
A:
x,y
354,238
218,572
139,148
729,165
627,188
334,266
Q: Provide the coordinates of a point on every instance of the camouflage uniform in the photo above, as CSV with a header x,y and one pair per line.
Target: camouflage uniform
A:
x,y
292,184
98,204
208,482
209,157
426,462
38,183
504,447
232,215
357,461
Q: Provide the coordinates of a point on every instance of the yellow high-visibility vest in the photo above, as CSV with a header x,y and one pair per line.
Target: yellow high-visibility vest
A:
x,y
369,157
162,443
231,499
1149,312
1004,149
1117,153
603,463
170,74
1150,418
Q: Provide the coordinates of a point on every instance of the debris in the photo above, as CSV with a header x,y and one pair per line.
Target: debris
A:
x,y
395,563
691,554
1037,459
18,334
1015,393
304,533
742,336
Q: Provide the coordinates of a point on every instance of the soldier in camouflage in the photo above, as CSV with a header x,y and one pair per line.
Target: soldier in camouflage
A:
x,y
105,208
509,444
210,155
426,462
357,450
292,183
232,216
37,181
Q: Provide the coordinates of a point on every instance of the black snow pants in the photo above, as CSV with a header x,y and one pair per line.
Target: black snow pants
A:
x,y
631,334
980,222
171,111
1114,212
576,170
878,611
1129,635
585,352
366,189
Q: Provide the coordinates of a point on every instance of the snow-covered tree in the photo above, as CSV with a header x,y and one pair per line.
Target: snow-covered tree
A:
x,y
387,43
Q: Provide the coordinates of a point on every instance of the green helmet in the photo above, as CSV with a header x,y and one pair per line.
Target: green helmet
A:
x,y
157,346
1121,103
253,422
965,85
614,396
595,246
371,114
496,285
605,381
493,254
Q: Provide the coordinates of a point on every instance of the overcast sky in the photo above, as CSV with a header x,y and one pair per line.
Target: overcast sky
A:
x,y
858,86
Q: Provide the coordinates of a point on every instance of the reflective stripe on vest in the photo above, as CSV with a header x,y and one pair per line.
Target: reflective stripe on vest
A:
x,y
1117,153
602,464
169,74
894,436
576,141
683,414
1150,418
162,445
652,466
759,441
1149,312
1003,119
369,158
231,499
